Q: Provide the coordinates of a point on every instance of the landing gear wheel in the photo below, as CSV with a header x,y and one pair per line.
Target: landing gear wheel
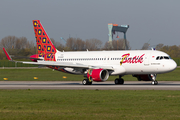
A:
x,y
90,83
116,81
154,82
119,81
86,82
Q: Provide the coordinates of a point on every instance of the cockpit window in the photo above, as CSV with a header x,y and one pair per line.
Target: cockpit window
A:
x,y
166,57
157,58
163,57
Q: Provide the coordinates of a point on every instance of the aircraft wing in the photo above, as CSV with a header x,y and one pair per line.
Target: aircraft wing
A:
x,y
67,64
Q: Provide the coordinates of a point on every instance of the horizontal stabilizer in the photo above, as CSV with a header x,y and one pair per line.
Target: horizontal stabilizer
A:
x,y
24,57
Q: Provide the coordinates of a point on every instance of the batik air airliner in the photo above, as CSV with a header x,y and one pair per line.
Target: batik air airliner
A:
x,y
97,66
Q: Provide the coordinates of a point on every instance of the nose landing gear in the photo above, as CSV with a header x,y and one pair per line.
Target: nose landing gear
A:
x,y
154,81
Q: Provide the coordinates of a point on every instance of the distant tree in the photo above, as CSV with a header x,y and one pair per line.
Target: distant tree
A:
x,y
165,49
173,51
79,44
25,52
106,46
21,43
8,42
18,46
2,55
70,43
117,45
93,44
55,43
145,46
159,46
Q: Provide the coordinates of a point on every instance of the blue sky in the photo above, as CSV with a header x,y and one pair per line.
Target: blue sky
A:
x,y
155,20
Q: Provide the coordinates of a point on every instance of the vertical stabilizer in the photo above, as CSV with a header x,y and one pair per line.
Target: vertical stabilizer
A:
x,y
45,47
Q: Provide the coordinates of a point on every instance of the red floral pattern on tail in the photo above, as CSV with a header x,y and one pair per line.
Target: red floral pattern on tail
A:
x,y
45,47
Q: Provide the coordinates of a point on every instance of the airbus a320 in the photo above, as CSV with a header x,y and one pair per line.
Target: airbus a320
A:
x,y
97,66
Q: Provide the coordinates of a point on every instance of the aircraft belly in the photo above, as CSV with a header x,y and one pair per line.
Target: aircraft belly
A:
x,y
118,70
72,71
139,69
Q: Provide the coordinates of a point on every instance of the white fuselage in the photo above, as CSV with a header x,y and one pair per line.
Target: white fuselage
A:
x,y
123,62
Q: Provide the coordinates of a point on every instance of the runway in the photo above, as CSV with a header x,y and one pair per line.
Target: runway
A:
x,y
108,85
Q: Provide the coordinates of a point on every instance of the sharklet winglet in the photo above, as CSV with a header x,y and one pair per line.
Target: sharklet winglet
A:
x,y
7,55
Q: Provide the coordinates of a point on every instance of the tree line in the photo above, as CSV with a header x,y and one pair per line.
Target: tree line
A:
x,y
20,46
173,51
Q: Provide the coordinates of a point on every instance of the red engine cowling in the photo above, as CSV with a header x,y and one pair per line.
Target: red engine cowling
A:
x,y
98,75
148,77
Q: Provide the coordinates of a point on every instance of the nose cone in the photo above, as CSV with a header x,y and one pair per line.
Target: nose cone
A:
x,y
172,65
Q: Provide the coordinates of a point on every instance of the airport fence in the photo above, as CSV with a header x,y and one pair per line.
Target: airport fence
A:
x,y
6,63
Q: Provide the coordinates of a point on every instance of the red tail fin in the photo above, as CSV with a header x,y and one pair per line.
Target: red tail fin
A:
x,y
45,47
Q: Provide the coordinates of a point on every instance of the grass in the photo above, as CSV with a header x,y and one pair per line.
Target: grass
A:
x,y
50,75
6,63
89,104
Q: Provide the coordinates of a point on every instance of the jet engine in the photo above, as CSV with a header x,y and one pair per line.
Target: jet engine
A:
x,y
148,77
98,75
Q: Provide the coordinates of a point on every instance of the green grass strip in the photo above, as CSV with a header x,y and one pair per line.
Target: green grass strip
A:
x,y
89,104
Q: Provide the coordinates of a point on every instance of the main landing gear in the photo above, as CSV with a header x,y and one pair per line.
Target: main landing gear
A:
x,y
119,81
87,82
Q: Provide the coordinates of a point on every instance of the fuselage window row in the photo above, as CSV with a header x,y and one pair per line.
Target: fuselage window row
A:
x,y
87,59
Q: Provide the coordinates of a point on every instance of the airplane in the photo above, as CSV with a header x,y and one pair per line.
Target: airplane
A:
x,y
97,66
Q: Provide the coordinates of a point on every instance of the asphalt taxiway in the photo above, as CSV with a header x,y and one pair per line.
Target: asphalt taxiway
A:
x,y
108,85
